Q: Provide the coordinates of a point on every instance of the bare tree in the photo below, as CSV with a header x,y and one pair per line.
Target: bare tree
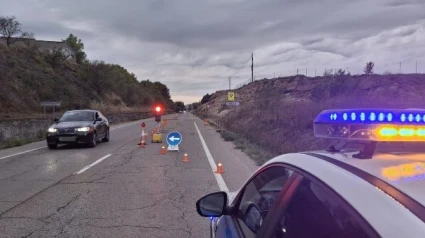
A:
x,y
369,68
10,27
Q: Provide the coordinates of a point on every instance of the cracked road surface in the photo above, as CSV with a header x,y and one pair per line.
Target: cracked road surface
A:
x,y
135,192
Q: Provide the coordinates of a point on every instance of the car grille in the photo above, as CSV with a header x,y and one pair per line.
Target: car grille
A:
x,y
66,130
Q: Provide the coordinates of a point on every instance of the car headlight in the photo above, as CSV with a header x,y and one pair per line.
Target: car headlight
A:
x,y
52,130
83,129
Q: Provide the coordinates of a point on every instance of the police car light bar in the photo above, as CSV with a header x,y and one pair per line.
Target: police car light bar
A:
x,y
371,124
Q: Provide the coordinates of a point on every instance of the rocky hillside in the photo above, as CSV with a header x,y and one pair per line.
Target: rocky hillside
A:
x,y
29,76
277,114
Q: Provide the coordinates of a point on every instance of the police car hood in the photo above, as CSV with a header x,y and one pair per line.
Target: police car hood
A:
x,y
406,172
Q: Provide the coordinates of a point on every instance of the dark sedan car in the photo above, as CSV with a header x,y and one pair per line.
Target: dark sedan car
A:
x,y
78,127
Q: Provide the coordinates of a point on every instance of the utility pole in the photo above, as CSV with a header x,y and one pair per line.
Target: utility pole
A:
x,y
230,83
416,67
252,67
400,67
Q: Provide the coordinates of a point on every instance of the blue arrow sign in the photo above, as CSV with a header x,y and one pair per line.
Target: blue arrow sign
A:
x,y
174,138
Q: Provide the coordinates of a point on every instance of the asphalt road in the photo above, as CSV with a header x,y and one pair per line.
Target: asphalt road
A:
x,y
117,189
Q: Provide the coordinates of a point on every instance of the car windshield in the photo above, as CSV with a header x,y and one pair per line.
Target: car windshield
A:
x,y
78,116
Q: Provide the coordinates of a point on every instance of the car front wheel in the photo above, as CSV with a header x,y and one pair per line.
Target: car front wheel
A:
x,y
94,140
106,138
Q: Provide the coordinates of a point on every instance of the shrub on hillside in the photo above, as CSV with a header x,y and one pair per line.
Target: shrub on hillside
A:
x,y
55,57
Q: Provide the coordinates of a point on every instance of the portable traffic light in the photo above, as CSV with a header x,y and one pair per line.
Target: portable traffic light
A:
x,y
157,112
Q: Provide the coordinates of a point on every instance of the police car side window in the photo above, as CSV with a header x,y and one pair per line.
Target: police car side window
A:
x,y
258,197
318,212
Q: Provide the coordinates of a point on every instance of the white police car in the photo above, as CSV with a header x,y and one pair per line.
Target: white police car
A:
x,y
371,185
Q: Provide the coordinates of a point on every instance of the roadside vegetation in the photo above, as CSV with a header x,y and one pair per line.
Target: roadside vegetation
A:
x,y
29,75
258,154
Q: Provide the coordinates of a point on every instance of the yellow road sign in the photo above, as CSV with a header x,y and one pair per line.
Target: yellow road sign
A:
x,y
231,96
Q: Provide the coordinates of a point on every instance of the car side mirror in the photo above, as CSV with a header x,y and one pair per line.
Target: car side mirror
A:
x,y
98,119
212,205
56,120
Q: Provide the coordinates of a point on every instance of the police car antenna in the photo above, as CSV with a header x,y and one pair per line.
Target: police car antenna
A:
x,y
367,152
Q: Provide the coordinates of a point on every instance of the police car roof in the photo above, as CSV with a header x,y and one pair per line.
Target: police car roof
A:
x,y
384,178
377,166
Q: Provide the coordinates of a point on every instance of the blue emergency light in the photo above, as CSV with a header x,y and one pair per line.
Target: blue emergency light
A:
x,y
371,124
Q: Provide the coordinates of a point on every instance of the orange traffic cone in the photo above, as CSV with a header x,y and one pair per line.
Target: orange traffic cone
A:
x,y
163,151
219,169
185,158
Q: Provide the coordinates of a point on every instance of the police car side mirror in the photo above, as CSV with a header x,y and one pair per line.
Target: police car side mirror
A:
x,y
212,205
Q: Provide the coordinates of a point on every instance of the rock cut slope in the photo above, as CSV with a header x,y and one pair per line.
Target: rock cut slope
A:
x,y
278,114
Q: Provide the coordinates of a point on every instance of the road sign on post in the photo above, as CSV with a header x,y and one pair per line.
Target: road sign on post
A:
x,y
143,125
174,139
50,104
232,103
230,96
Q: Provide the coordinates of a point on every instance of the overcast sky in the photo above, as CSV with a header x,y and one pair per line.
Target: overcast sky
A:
x,y
193,46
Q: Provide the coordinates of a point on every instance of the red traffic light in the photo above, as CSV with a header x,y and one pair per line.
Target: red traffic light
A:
x,y
158,109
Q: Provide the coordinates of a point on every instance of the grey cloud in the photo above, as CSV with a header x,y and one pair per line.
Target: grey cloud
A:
x,y
194,45
399,3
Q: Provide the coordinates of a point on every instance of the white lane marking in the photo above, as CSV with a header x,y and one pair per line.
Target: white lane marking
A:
x,y
220,181
20,153
27,151
92,164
